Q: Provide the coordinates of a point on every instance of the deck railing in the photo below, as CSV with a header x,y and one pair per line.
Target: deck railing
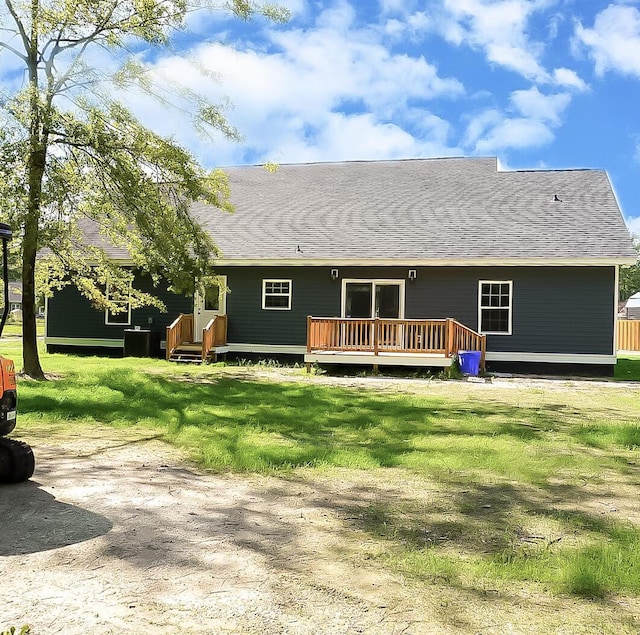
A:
x,y
214,334
179,332
444,337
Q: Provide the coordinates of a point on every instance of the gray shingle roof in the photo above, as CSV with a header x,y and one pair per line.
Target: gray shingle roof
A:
x,y
418,210
455,210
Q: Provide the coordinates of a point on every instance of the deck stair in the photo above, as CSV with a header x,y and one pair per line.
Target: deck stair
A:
x,y
187,353
182,348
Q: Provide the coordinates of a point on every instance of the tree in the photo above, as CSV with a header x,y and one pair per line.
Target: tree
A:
x,y
72,156
630,276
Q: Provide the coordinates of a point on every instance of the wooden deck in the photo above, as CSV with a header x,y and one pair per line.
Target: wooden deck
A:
x,y
389,342
182,348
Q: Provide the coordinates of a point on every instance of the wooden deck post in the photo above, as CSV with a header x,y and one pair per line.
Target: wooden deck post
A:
x,y
376,326
449,337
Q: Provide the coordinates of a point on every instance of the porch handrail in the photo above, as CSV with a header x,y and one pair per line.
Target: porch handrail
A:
x,y
178,332
375,335
466,339
214,334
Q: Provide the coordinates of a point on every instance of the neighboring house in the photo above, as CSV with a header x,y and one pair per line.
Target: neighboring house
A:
x,y
632,307
386,251
15,296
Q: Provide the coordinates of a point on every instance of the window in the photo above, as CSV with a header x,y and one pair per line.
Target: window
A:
x,y
276,294
495,306
123,301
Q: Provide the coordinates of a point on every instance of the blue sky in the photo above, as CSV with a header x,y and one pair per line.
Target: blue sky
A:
x,y
537,83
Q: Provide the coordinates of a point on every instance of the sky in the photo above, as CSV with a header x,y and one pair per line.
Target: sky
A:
x,y
537,83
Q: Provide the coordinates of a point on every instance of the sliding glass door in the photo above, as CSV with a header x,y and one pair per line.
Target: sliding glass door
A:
x,y
366,299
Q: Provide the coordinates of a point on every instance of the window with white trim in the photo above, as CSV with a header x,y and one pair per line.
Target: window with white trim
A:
x,y
121,317
276,295
494,306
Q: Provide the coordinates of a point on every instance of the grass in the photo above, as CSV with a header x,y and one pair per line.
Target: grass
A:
x,y
476,485
14,329
628,368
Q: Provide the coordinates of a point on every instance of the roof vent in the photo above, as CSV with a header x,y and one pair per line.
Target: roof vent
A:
x,y
556,199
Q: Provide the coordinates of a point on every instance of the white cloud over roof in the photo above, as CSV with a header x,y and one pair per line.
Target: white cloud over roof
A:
x,y
614,40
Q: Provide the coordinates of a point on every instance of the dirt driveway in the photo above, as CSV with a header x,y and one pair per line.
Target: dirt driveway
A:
x,y
118,534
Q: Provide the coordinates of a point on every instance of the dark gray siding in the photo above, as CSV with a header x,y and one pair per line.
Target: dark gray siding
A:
x,y
313,293
70,315
555,309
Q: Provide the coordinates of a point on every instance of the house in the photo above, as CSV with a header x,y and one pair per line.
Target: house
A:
x,y
632,307
15,296
393,262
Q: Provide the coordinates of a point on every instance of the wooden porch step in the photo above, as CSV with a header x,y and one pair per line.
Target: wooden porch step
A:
x,y
189,354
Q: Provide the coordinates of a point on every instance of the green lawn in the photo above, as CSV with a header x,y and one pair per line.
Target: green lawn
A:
x,y
14,329
490,485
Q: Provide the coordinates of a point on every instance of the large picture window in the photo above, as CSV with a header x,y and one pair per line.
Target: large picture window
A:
x,y
122,300
276,294
495,297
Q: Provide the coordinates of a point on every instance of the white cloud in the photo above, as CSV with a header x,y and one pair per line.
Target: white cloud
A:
x,y
545,108
338,17
569,79
633,223
515,134
536,116
614,41
342,137
500,29
330,91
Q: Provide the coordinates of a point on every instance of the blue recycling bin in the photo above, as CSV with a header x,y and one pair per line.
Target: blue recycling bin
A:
x,y
469,362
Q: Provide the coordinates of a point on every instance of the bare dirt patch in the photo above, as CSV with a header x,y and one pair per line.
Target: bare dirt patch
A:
x,y
117,533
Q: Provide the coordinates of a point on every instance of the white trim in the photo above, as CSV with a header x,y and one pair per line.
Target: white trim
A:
x,y
46,315
552,358
128,302
510,307
374,281
236,347
616,295
289,295
424,262
203,316
84,341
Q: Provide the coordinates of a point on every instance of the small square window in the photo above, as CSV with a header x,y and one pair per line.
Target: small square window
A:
x,y
276,294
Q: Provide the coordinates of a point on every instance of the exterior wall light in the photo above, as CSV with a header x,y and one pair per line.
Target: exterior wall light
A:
x,y
334,274
413,274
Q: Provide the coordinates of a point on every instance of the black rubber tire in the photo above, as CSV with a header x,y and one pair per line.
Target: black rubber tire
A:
x,y
6,463
23,463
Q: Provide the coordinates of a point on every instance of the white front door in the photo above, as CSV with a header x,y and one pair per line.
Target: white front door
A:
x,y
207,305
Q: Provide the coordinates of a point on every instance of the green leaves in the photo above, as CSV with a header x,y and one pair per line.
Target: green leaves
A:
x,y
75,163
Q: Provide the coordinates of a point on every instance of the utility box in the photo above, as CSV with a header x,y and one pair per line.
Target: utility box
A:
x,y
140,343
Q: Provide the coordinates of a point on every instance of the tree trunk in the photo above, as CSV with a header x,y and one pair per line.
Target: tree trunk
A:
x,y
38,139
30,356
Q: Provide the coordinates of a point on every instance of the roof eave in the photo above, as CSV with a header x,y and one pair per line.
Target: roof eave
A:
x,y
426,262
